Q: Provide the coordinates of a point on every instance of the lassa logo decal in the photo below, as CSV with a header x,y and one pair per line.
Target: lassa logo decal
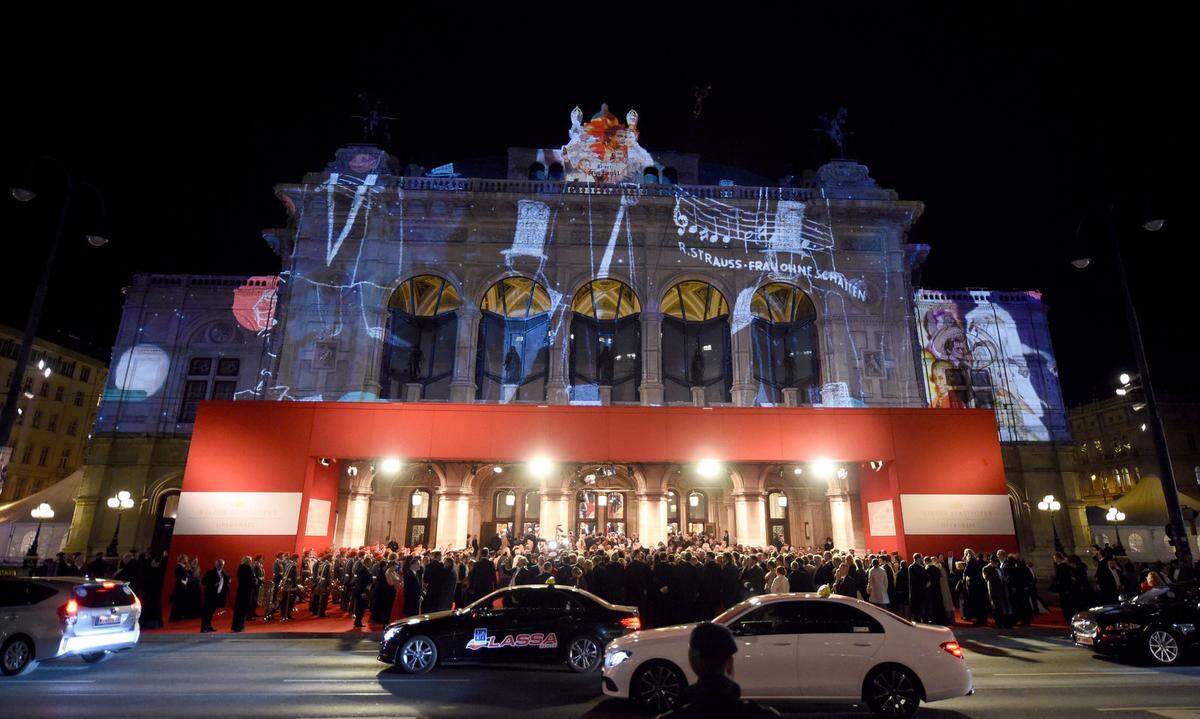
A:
x,y
483,640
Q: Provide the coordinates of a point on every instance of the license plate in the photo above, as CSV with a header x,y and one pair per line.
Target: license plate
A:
x,y
105,619
1084,639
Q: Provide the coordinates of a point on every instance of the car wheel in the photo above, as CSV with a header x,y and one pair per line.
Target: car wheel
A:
x,y
892,692
1162,646
93,657
583,654
658,686
16,657
417,654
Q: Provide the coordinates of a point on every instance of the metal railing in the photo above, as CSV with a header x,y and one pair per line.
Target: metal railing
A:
x,y
549,187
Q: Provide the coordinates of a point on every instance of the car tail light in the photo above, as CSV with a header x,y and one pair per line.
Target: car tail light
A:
x,y
67,611
634,623
953,648
109,585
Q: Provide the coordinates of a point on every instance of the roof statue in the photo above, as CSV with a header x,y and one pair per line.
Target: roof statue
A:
x,y
603,149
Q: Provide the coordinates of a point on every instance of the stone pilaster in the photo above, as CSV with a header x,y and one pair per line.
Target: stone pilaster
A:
x,y
744,386
462,384
651,390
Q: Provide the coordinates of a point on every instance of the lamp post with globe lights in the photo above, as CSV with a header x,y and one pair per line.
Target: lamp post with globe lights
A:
x,y
120,502
1175,524
1114,517
1050,505
25,193
42,513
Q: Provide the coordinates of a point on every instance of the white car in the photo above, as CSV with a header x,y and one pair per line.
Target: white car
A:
x,y
49,617
801,647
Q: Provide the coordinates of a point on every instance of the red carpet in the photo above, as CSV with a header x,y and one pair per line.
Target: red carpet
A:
x,y
303,623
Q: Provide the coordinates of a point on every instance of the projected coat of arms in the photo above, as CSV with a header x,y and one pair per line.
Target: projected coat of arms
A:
x,y
603,149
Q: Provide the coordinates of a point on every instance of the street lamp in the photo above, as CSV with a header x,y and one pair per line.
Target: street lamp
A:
x,y
1114,516
25,194
1183,549
1051,505
120,502
42,513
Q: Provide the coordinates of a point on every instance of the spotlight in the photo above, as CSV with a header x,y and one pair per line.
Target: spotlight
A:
x,y
708,468
352,471
498,469
324,461
798,471
877,464
391,465
823,468
540,467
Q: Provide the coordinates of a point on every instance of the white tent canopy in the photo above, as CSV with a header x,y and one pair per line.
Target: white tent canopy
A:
x,y
17,525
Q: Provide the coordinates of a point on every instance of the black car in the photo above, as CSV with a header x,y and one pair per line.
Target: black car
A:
x,y
529,623
1163,624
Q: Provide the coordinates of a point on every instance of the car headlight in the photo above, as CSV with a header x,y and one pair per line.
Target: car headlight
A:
x,y
1123,627
390,634
613,658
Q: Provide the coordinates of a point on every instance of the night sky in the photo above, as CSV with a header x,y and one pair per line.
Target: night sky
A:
x,y
1012,125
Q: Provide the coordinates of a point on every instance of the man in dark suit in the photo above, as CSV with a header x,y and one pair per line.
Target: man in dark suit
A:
x,y
638,578
362,588
918,581
731,583
247,590
482,579
216,589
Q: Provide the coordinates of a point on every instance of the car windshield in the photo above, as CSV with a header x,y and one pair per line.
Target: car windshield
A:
x,y
1153,596
730,614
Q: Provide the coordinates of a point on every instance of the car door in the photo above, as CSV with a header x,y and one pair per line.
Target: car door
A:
x,y
480,637
540,624
766,637
835,646
12,599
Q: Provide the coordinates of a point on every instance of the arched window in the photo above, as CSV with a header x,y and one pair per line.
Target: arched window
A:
x,y
418,518
585,512
556,171
537,171
695,342
672,511
650,175
786,353
777,518
505,511
697,511
606,341
514,342
420,342
670,176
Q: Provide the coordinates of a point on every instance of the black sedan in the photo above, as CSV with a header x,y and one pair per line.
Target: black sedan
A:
x,y
1163,624
532,623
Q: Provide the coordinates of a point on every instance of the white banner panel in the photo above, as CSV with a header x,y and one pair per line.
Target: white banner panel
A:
x,y
234,513
317,524
956,514
882,518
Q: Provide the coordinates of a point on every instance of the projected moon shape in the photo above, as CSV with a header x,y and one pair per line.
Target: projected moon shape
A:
x,y
140,372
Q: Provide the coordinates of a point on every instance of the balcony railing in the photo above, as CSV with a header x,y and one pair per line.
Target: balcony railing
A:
x,y
549,187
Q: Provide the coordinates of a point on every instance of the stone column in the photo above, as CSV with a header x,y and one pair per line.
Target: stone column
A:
x,y
791,397
454,508
840,515
354,528
371,380
462,384
651,389
412,391
698,396
81,524
605,394
555,512
744,386
652,518
750,512
557,371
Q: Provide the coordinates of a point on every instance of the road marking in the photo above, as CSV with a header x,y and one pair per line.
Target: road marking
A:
x,y
368,681
50,681
1168,712
1066,674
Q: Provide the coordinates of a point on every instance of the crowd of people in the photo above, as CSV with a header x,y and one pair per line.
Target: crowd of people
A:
x,y
690,577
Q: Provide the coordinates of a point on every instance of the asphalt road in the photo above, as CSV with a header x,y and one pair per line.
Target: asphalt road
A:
x,y
1017,674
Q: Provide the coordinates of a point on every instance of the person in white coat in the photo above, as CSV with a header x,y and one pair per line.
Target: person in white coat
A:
x,y
877,593
779,582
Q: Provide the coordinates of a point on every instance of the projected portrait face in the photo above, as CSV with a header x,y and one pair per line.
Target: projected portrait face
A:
x,y
140,372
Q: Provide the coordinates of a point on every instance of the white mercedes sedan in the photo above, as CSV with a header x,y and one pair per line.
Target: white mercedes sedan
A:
x,y
801,647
